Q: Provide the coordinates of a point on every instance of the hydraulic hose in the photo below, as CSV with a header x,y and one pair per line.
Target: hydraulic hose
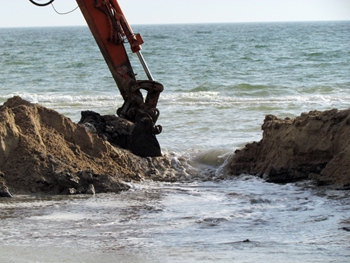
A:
x,y
44,4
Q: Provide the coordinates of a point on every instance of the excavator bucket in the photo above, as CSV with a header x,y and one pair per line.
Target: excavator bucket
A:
x,y
136,137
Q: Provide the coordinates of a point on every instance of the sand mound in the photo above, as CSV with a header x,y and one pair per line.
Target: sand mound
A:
x,y
315,145
41,151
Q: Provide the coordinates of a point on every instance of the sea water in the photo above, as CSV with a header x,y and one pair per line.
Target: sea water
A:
x,y
220,81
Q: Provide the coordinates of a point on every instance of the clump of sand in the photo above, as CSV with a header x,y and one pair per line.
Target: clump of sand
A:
x,y
42,151
315,145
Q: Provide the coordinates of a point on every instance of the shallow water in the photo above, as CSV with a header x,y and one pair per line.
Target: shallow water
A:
x,y
244,219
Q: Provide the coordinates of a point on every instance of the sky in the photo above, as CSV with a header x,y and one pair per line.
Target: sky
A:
x,y
21,13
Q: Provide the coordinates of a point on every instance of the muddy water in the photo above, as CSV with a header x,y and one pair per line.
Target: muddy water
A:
x,y
245,219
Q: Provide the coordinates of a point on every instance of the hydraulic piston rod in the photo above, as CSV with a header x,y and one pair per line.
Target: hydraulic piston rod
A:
x,y
144,65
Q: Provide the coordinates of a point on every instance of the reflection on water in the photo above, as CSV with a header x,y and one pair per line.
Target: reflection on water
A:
x,y
245,219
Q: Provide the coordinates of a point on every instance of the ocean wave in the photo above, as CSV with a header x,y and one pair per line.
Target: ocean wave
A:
x,y
212,157
201,98
210,97
62,98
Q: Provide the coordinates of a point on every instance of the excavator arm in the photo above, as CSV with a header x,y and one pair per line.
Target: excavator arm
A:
x,y
111,31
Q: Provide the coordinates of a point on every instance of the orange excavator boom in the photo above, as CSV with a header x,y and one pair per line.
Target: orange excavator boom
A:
x,y
111,31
